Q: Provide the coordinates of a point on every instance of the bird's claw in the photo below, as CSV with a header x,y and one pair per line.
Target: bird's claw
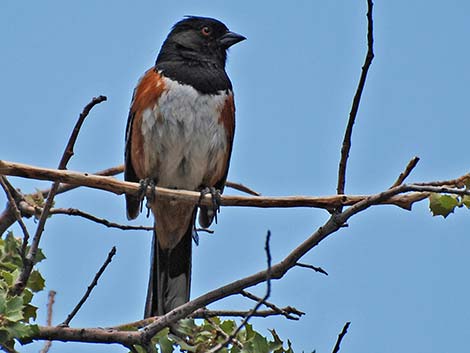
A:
x,y
146,191
215,196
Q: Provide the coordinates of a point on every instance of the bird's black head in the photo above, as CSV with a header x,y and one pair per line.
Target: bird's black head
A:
x,y
199,40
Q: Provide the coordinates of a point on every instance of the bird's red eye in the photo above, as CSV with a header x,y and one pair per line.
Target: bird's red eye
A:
x,y
206,30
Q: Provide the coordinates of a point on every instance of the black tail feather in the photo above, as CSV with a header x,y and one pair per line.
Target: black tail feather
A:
x,y
170,276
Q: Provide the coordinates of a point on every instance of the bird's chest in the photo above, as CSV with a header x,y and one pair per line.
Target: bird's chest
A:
x,y
184,140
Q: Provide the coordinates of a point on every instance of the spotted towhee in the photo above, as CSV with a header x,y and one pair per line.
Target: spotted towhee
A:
x,y
179,135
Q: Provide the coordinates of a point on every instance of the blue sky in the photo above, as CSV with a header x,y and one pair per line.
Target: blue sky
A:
x,y
400,277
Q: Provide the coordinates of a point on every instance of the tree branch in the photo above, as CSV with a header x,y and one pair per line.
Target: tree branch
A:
x,y
68,153
340,337
93,284
91,335
356,101
121,187
411,165
50,303
7,218
103,221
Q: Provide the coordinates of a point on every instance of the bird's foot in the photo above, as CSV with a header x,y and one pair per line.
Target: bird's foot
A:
x,y
215,195
147,191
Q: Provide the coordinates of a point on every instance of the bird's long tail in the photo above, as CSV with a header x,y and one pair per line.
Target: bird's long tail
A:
x,y
170,275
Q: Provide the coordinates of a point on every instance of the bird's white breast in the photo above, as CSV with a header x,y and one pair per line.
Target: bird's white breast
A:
x,y
183,137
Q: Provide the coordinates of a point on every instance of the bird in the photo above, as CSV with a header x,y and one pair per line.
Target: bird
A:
x,y
179,135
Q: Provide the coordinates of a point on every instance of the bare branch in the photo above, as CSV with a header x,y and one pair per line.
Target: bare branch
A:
x,y
103,221
241,187
204,313
340,337
288,312
460,182
91,335
121,187
411,165
90,287
105,172
68,153
281,311
356,101
315,268
7,218
50,303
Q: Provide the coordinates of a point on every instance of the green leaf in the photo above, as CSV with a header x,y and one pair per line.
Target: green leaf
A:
x,y
14,309
36,282
228,326
27,296
161,338
29,312
276,345
7,277
442,205
249,332
260,343
466,201
39,256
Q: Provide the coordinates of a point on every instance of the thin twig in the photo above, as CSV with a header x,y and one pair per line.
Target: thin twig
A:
x,y
90,287
230,338
242,188
460,182
315,268
287,312
340,337
410,166
7,187
50,303
346,147
281,311
103,221
68,153
204,313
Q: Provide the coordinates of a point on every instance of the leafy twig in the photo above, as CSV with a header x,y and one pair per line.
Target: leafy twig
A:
x,y
7,187
225,335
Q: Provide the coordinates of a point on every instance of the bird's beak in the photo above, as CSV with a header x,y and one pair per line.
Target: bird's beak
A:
x,y
230,38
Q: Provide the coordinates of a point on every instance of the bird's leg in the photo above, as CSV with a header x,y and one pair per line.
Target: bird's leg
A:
x,y
215,194
146,190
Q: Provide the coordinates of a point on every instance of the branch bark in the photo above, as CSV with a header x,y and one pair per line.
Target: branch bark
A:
x,y
122,187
